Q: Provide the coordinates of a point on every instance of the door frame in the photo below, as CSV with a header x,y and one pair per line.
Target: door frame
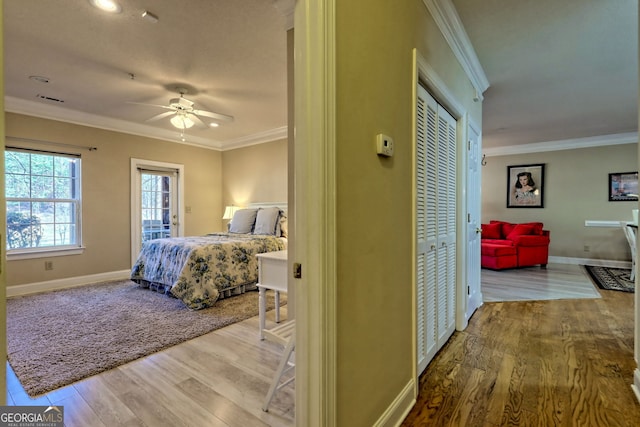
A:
x,y
315,212
156,166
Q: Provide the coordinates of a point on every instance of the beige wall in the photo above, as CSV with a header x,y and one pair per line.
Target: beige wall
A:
x,y
255,174
576,189
375,39
106,193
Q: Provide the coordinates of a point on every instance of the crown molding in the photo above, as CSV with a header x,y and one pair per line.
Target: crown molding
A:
x,y
565,144
54,112
448,21
256,138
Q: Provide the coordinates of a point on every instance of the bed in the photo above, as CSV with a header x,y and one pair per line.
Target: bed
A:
x,y
199,270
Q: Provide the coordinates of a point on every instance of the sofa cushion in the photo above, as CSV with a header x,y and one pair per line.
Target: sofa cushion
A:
x,y
500,242
506,227
531,240
491,231
537,227
488,249
521,230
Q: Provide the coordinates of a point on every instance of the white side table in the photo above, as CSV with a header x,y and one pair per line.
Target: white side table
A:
x,y
272,274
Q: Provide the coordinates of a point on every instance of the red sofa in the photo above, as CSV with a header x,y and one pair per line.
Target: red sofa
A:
x,y
508,245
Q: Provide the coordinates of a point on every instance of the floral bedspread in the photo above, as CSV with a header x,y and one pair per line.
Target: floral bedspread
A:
x,y
197,269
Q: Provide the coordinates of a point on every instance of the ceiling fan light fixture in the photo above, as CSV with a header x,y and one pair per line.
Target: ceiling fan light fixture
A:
x,y
181,121
106,5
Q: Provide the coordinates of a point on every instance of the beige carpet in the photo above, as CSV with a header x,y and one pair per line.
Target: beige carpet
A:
x,y
60,337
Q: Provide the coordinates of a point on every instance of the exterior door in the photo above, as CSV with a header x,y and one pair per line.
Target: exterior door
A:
x,y
158,208
474,198
156,202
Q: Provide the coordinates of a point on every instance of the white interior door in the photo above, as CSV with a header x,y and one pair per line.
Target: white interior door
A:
x,y
474,198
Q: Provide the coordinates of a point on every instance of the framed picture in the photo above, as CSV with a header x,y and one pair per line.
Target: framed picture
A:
x,y
623,187
525,186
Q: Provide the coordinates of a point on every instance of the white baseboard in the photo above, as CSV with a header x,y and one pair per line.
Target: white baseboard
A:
x,y
636,383
589,261
69,282
399,408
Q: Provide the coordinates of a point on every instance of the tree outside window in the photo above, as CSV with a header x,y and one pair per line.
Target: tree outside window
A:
x,y
43,200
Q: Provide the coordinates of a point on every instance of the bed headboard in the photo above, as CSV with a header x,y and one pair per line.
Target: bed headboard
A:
x,y
281,205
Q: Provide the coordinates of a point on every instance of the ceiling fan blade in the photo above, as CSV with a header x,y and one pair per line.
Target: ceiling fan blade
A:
x,y
196,120
161,116
166,107
216,116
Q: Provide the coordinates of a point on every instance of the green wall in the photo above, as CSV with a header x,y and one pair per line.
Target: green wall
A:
x,y
374,75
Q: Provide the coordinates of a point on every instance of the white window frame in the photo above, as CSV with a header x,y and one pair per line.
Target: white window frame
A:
x,y
60,250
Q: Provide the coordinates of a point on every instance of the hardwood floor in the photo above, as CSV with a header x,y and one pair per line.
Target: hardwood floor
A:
x,y
218,379
562,362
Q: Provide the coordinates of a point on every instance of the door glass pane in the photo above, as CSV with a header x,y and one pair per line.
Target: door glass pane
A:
x,y
156,206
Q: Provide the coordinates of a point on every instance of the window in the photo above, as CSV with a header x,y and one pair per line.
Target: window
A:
x,y
43,201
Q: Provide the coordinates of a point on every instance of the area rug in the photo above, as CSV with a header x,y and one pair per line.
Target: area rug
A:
x,y
609,278
60,337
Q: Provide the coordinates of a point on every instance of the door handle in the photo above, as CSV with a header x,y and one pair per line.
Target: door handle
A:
x,y
478,230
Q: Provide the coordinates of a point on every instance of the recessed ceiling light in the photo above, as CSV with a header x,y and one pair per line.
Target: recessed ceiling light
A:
x,y
107,5
149,16
214,125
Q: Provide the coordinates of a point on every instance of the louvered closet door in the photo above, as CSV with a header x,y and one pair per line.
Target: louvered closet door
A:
x,y
435,216
426,216
446,225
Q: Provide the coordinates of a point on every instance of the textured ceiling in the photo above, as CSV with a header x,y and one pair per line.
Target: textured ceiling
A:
x,y
230,55
558,69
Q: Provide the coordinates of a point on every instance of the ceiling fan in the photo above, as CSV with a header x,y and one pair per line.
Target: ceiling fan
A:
x,y
184,116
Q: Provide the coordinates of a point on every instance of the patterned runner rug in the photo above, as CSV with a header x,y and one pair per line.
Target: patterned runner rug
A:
x,y
609,278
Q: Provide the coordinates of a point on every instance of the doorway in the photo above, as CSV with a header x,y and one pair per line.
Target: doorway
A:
x,y
156,202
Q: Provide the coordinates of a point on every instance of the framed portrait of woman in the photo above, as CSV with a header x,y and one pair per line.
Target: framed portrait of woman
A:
x,y
623,187
525,186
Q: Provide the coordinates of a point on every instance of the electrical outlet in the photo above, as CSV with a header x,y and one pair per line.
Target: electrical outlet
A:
x,y
587,248
48,265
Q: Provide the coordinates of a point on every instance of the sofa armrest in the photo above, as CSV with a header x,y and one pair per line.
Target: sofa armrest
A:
x,y
529,240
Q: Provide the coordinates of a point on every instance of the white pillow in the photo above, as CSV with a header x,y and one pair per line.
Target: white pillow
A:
x,y
266,221
243,221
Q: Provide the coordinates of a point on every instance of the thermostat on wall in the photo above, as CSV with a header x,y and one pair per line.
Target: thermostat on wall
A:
x,y
384,145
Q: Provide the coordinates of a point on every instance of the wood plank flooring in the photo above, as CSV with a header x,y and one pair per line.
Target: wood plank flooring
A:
x,y
218,379
557,281
561,362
